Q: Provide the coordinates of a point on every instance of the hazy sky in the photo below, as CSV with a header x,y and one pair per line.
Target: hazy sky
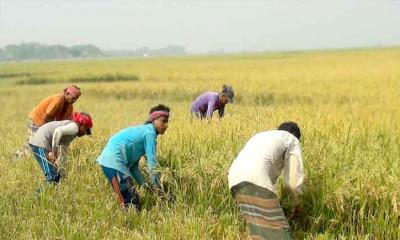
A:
x,y
202,25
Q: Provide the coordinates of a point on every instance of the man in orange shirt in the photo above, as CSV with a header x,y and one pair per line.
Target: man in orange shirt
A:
x,y
53,108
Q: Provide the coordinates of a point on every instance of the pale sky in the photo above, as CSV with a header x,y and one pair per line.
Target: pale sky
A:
x,y
203,25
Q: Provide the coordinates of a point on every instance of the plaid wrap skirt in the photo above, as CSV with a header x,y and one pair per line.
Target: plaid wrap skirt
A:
x,y
261,209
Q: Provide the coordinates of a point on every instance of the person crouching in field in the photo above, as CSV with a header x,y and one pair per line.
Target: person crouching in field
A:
x,y
119,159
254,172
208,102
50,144
56,107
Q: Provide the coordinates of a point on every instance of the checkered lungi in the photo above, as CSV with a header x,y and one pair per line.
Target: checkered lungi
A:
x,y
263,214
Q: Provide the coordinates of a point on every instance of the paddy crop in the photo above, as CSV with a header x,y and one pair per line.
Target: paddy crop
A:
x,y
345,102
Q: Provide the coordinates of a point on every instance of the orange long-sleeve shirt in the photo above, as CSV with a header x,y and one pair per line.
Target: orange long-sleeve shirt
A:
x,y
54,106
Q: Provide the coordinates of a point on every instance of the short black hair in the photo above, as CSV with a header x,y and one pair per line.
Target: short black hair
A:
x,y
159,107
291,127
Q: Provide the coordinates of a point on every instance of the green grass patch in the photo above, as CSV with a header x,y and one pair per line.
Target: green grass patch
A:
x,y
79,79
105,78
14,75
33,81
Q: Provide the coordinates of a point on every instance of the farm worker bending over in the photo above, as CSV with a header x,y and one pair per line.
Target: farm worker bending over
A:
x,y
208,102
120,157
56,107
254,172
51,141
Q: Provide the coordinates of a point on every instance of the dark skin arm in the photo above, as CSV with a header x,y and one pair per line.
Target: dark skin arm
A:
x,y
52,156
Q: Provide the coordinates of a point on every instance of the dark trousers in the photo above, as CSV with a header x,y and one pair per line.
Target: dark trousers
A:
x,y
50,171
123,187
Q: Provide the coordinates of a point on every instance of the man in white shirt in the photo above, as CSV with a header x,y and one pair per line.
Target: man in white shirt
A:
x,y
50,143
254,172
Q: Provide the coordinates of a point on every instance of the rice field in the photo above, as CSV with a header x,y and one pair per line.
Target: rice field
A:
x,y
345,102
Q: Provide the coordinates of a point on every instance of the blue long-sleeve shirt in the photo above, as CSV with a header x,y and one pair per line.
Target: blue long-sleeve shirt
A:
x,y
123,151
207,103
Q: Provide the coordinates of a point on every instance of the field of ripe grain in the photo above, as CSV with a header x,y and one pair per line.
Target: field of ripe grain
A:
x,y
345,102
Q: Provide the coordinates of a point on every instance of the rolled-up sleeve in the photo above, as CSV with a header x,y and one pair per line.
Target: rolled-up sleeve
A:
x,y
294,169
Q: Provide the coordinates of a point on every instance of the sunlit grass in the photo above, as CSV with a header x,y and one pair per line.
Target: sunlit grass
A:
x,y
344,101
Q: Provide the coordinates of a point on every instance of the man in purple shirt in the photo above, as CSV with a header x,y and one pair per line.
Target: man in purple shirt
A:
x,y
208,102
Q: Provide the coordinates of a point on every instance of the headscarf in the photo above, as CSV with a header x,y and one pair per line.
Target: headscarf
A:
x,y
157,114
73,90
83,119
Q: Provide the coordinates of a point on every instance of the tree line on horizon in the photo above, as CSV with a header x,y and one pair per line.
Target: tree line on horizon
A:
x,y
39,51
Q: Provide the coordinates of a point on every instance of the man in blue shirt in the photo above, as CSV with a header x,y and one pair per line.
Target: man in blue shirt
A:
x,y
120,157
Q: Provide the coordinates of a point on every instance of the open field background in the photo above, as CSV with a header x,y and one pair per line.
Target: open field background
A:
x,y
346,103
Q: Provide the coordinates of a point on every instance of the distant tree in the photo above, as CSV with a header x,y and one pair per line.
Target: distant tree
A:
x,y
170,50
25,51
143,51
2,55
42,51
85,51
